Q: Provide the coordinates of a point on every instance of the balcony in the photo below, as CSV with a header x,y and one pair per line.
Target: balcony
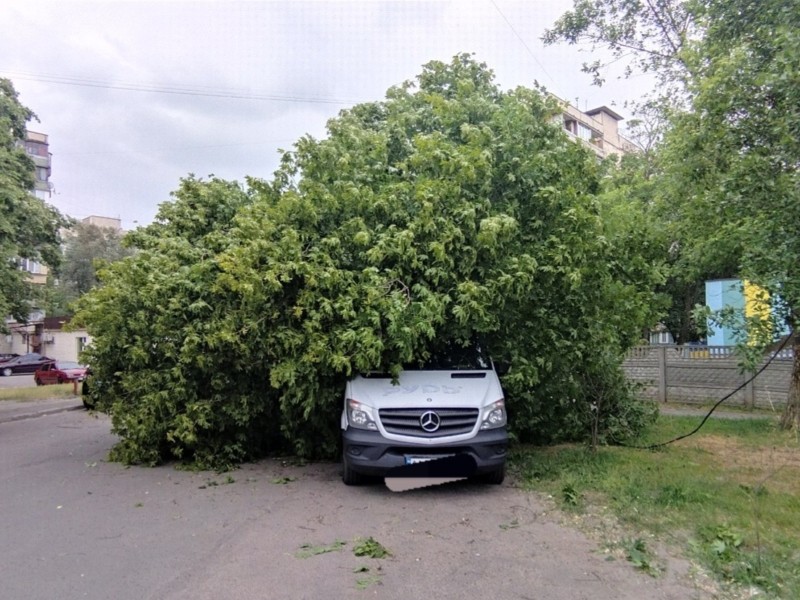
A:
x,y
34,136
40,161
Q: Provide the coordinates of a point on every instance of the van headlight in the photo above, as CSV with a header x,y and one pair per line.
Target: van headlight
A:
x,y
494,415
360,416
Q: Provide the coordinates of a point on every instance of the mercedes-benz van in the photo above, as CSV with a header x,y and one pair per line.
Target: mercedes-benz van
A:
x,y
451,404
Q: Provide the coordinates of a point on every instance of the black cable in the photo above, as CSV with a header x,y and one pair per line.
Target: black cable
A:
x,y
720,401
525,45
174,89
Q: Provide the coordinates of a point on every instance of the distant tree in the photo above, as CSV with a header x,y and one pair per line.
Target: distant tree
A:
x,y
736,152
635,232
648,37
87,248
730,166
29,228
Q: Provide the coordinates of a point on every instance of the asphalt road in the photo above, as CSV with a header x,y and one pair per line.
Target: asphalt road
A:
x,y
76,526
17,381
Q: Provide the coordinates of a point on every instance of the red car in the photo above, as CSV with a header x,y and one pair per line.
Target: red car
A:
x,y
59,371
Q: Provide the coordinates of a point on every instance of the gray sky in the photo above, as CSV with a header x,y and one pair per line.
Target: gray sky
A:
x,y
247,78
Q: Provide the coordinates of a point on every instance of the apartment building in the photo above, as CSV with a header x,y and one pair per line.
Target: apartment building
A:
x,y
41,333
38,149
598,129
104,222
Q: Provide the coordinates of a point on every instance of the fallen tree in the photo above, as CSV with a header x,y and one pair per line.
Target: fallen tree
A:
x,y
448,211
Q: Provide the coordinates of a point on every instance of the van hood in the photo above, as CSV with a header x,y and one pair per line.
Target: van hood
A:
x,y
465,389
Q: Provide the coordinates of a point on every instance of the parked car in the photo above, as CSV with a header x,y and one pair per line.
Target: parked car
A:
x,y
27,363
60,371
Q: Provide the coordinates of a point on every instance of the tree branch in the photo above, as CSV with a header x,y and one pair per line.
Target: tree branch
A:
x,y
597,40
662,26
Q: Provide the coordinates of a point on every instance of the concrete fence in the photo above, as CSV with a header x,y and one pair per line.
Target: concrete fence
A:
x,y
706,373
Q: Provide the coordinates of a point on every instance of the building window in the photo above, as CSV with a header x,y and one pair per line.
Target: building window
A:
x,y
31,266
41,173
584,132
661,337
81,345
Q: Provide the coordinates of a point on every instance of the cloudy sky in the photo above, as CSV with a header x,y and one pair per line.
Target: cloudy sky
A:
x,y
136,95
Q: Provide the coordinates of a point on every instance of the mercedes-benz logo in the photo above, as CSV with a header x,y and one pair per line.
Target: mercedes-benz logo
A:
x,y
430,421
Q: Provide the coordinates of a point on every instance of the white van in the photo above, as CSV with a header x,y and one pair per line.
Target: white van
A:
x,y
452,404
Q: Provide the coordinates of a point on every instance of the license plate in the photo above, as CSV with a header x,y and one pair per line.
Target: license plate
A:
x,y
412,460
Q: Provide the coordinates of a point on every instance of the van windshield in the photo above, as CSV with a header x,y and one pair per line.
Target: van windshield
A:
x,y
453,357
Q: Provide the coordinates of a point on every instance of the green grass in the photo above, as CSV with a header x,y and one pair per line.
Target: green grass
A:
x,y
44,392
308,550
728,495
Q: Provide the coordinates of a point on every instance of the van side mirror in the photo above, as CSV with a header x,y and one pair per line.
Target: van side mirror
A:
x,y
501,367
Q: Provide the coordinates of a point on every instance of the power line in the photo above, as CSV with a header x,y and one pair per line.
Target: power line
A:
x,y
522,41
205,91
180,148
713,408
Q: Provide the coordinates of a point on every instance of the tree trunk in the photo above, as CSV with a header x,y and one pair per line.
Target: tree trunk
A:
x,y
791,414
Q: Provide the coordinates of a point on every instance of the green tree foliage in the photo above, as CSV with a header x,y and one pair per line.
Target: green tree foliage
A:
x,y
742,137
87,247
638,213
737,151
448,211
171,357
730,165
650,36
637,234
28,227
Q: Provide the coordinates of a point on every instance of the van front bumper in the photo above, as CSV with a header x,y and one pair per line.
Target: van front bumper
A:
x,y
369,453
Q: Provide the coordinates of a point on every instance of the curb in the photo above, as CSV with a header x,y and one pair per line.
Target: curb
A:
x,y
40,413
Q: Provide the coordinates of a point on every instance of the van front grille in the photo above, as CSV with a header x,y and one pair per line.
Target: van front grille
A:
x,y
407,421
